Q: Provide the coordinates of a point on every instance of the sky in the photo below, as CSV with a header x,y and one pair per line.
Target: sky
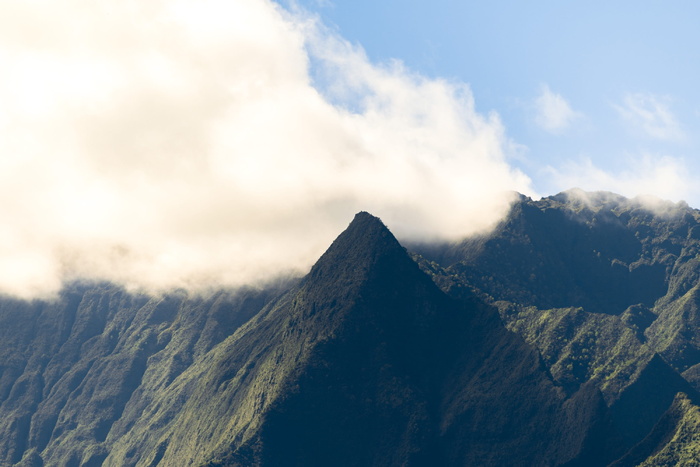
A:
x,y
164,144
600,95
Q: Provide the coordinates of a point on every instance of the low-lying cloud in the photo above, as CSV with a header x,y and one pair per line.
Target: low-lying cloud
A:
x,y
663,176
177,143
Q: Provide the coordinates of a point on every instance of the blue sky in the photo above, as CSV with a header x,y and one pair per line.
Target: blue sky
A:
x,y
620,79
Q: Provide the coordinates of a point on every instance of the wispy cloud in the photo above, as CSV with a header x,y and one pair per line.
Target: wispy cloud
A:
x,y
552,112
652,115
181,143
662,176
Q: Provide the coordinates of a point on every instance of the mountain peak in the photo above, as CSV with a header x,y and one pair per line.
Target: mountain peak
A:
x,y
367,224
365,242
365,232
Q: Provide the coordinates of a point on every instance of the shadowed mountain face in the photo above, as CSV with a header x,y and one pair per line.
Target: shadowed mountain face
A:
x,y
375,357
587,254
403,371
597,251
602,286
367,362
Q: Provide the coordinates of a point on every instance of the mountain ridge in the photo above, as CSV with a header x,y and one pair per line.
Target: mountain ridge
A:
x,y
359,327
443,355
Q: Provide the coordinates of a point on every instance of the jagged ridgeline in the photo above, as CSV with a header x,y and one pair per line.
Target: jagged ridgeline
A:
x,y
559,339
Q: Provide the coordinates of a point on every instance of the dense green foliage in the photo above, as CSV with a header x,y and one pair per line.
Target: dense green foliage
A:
x,y
674,441
76,373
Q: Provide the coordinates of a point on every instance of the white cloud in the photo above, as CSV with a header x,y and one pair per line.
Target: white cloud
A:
x,y
180,143
652,115
661,176
552,112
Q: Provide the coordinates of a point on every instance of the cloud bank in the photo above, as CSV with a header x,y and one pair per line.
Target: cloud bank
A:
x,y
175,143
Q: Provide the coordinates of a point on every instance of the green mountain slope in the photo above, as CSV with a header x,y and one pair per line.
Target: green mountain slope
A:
x,y
559,267
674,441
601,285
367,362
556,340
364,362
72,371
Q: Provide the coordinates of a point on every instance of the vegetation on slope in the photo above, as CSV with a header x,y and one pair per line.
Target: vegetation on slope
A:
x,y
556,340
365,363
76,372
600,284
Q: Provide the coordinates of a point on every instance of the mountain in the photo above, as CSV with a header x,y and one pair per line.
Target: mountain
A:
x,y
369,353
75,370
557,339
673,441
604,286
590,256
